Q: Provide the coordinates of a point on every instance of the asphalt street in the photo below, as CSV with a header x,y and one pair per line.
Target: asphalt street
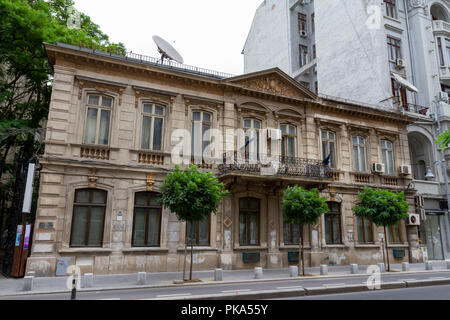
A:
x,y
421,293
170,293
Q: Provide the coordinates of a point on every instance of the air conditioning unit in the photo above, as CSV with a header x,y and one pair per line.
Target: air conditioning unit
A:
x,y
405,170
303,34
413,220
421,213
419,202
378,167
443,96
400,63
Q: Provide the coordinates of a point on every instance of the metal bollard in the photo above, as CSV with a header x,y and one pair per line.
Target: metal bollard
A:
x,y
28,283
218,274
73,294
323,270
88,280
354,269
405,266
293,271
142,278
258,273
382,267
428,265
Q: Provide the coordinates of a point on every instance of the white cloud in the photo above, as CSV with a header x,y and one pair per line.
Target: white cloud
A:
x,y
208,33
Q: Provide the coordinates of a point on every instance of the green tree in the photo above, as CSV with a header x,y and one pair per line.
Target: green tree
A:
x,y
382,207
443,140
192,195
302,207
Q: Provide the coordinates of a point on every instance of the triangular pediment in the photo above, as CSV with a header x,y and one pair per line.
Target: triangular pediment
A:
x,y
272,81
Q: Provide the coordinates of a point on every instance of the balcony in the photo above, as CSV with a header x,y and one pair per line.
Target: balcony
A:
x,y
95,152
441,27
416,109
264,165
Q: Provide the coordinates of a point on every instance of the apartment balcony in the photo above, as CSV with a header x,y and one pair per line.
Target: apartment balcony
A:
x,y
240,164
416,109
441,27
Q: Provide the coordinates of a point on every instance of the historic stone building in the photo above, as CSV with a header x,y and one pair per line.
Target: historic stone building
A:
x,y
108,148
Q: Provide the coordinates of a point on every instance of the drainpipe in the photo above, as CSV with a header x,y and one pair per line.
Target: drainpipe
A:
x,y
411,52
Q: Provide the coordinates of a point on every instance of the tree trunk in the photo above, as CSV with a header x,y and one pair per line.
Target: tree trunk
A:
x,y
184,263
387,251
192,252
301,257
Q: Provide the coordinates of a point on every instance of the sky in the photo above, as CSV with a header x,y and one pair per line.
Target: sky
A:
x,y
207,33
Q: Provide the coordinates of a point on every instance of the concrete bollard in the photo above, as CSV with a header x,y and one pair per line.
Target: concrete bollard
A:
x,y
31,274
448,265
428,265
405,266
258,273
382,267
323,270
28,283
142,278
88,280
218,275
293,271
354,269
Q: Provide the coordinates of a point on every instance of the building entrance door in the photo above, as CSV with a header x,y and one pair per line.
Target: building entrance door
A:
x,y
433,240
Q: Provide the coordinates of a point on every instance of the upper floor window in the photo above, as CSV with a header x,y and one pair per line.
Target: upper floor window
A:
x,y
201,133
394,49
88,218
313,28
440,51
314,51
289,137
152,126
303,55
197,233
333,224
387,153
447,48
147,220
249,210
329,147
301,22
399,94
251,129
391,10
359,154
98,119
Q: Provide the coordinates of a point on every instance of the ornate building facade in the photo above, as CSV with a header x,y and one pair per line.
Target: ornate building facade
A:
x,y
109,146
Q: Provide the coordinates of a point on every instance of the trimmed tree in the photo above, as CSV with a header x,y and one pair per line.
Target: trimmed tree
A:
x,y
192,195
302,207
384,208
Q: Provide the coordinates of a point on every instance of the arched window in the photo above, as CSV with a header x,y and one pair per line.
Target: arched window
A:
x,y
333,224
88,218
152,126
98,117
249,211
147,220
359,154
387,152
438,12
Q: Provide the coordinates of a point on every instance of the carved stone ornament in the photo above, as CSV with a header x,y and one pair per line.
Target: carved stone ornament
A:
x,y
150,181
92,178
142,94
270,84
227,222
100,87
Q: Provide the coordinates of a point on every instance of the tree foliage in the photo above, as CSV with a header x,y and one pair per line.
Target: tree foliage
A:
x,y
382,207
443,140
302,206
192,194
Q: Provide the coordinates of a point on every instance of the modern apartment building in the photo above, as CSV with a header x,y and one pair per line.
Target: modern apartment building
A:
x,y
392,54
110,138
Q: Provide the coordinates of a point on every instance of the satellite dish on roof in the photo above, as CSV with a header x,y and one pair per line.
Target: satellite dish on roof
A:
x,y
167,51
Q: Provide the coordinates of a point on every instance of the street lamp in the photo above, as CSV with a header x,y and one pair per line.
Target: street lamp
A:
x,y
430,174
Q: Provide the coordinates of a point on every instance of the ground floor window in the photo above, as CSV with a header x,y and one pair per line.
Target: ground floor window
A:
x,y
291,234
365,231
88,218
147,220
394,234
249,211
333,224
200,232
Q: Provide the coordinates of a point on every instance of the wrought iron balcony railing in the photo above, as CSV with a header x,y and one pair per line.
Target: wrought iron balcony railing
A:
x,y
270,166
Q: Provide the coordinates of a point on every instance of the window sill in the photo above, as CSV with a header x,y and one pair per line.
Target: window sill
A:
x,y
392,19
85,250
334,246
144,249
199,248
98,146
367,245
399,245
291,247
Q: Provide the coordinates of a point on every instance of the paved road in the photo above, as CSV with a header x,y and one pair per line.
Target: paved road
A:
x,y
421,293
186,291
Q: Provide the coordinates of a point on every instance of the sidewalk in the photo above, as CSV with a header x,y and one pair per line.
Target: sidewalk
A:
x,y
124,281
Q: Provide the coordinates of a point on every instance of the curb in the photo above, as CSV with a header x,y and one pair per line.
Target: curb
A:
x,y
207,283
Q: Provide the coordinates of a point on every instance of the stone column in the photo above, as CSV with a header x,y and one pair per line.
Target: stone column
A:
x,y
226,255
